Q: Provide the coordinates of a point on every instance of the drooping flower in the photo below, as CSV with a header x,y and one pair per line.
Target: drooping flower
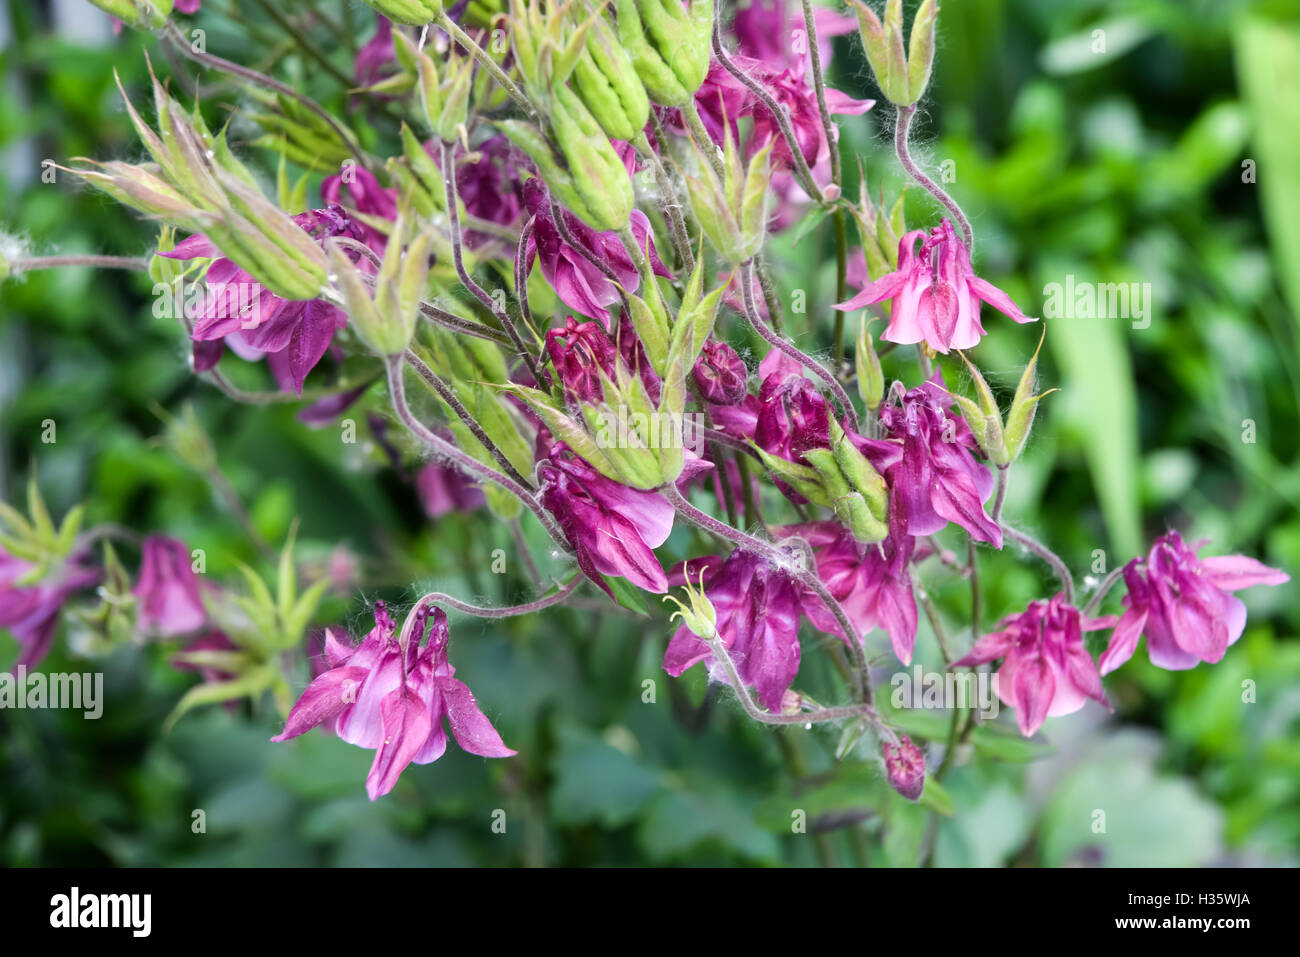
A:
x,y
576,280
1184,604
870,582
370,203
444,490
936,294
392,695
1046,670
937,479
30,609
613,529
581,353
774,31
241,313
904,767
757,608
720,374
168,589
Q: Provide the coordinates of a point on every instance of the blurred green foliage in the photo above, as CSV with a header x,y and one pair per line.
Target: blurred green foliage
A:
x,y
1116,165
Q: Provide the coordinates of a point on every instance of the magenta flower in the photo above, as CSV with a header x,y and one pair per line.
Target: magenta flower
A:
x,y
904,767
369,200
773,31
936,295
613,529
490,182
1046,671
720,374
376,60
391,695
241,313
581,353
871,583
1184,604
792,91
30,610
757,621
937,479
168,589
445,490
578,283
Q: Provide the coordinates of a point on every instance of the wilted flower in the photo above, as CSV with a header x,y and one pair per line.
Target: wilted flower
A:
x,y
1184,604
391,695
168,589
1046,670
936,294
720,374
30,610
613,529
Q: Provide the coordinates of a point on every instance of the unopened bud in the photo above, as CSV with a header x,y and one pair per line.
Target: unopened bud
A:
x,y
1021,417
721,375
905,768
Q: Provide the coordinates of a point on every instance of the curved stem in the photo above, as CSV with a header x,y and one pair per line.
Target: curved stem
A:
x,y
778,112
1046,554
805,576
447,395
464,462
811,364
902,130
508,611
453,216
521,291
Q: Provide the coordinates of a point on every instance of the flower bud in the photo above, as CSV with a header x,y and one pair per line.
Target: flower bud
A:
x,y
138,14
444,96
1021,417
733,213
905,768
901,77
720,374
984,419
871,378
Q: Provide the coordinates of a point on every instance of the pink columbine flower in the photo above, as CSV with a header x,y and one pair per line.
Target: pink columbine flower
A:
x,y
937,480
1184,604
773,31
30,610
168,589
1046,671
239,312
757,609
613,529
936,294
392,695
579,284
871,582
904,767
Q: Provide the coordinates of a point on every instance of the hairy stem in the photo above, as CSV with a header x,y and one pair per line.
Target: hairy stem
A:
x,y
1033,545
902,130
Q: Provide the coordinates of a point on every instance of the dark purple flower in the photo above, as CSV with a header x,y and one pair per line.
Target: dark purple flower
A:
x,y
30,609
581,353
377,59
578,283
905,767
613,529
443,490
937,479
490,182
1184,604
239,312
391,695
757,610
368,198
935,293
720,374
168,589
1046,670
